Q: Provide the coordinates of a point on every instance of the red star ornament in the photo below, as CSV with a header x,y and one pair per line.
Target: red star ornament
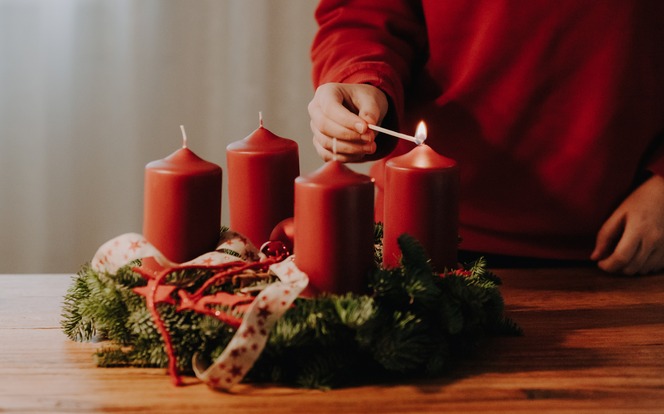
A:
x,y
162,293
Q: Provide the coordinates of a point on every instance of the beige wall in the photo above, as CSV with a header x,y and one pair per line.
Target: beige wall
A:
x,y
92,90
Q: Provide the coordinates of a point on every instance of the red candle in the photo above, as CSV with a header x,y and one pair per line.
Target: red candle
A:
x,y
333,240
182,205
422,200
261,171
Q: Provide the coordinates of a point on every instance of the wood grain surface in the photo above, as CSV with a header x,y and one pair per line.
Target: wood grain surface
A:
x,y
593,343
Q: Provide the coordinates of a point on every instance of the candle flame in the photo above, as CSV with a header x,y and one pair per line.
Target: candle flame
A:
x,y
421,133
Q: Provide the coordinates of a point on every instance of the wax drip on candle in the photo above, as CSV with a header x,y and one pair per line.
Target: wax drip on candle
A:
x,y
260,119
184,137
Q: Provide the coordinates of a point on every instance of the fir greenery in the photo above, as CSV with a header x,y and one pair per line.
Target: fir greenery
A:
x,y
413,321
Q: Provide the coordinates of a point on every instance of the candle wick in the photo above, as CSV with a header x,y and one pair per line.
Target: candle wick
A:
x,y
260,119
184,137
334,149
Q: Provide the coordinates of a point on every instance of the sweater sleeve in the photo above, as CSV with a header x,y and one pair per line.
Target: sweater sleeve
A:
x,y
655,163
374,42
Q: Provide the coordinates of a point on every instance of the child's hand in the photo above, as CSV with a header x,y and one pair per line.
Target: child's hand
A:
x,y
342,111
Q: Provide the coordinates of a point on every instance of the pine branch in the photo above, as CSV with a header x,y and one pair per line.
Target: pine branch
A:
x,y
73,324
415,321
378,245
413,257
403,345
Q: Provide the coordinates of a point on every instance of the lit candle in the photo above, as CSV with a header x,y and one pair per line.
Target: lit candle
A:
x,y
261,170
182,204
422,200
378,168
333,226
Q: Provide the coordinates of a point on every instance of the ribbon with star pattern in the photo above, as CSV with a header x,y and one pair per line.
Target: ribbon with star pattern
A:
x,y
266,308
249,340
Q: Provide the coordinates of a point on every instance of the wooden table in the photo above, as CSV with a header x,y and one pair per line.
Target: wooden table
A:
x,y
593,343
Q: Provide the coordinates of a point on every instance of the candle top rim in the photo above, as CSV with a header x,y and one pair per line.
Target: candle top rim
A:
x,y
333,174
262,140
183,159
422,157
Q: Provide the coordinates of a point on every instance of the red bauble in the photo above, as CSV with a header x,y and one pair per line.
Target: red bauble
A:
x,y
274,248
284,232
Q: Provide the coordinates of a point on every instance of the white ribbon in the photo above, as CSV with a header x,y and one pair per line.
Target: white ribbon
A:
x,y
128,247
249,340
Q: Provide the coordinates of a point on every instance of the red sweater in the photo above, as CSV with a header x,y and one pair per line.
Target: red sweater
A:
x,y
552,109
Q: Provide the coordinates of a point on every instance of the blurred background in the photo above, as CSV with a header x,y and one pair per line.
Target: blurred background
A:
x,y
92,90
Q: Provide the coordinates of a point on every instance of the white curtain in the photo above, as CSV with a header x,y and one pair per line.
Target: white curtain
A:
x,y
92,90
